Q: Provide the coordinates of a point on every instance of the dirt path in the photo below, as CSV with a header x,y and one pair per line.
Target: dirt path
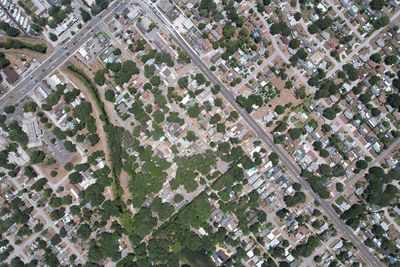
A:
x,y
21,52
39,56
124,182
102,144
124,177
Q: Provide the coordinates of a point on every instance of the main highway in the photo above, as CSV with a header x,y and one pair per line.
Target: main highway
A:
x,y
292,168
59,56
62,54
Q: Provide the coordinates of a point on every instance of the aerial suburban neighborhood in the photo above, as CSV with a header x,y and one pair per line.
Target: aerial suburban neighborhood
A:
x,y
200,133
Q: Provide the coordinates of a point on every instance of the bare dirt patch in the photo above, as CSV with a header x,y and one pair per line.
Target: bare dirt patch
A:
x,y
124,182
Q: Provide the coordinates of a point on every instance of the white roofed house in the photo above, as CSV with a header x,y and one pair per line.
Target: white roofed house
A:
x,y
30,125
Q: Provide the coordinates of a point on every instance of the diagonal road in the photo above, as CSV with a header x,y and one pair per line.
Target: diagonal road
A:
x,y
365,43
352,180
292,167
59,56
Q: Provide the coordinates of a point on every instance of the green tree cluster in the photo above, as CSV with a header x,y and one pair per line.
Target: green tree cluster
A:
x,y
9,30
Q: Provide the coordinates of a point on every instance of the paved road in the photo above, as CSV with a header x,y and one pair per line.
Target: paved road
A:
x,y
270,59
366,42
353,179
343,17
59,56
292,168
49,223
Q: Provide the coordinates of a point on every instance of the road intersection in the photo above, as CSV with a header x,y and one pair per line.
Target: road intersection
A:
x,y
293,169
59,56
62,54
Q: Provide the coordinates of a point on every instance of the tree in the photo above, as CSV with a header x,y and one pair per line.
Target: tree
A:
x,y
218,102
17,134
353,215
155,81
376,58
396,83
85,15
9,109
109,95
297,16
117,52
53,37
330,112
4,62
274,158
178,198
281,127
294,133
69,146
390,60
215,119
297,198
221,128
377,230
280,109
57,214
377,4
381,22
10,31
313,28
338,170
325,170
339,187
191,136
302,53
183,82
99,78
351,71
280,28
37,156
361,164
30,172
30,106
394,100
307,248
200,79
84,231
206,6
75,178
296,186
300,92
324,153
125,73
325,128
294,43
194,111
149,70
228,31
183,57
375,112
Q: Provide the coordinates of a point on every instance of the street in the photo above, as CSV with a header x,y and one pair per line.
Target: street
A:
x,y
286,159
59,56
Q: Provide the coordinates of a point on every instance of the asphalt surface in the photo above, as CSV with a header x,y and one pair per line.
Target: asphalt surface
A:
x,y
286,160
59,56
